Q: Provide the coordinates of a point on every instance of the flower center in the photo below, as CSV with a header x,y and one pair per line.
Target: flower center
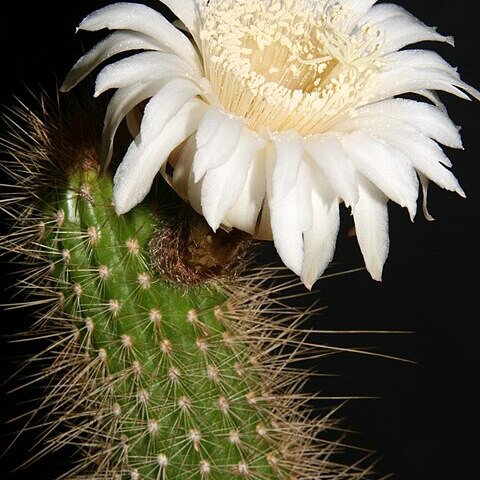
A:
x,y
287,64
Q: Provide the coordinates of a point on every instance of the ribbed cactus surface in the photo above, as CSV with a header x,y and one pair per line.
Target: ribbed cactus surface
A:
x,y
172,390
164,360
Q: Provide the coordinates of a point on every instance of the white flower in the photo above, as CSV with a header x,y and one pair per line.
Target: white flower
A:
x,y
266,115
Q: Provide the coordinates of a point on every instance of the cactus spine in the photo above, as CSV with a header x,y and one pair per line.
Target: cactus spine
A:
x,y
162,364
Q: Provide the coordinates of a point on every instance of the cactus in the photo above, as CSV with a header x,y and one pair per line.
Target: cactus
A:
x,y
168,359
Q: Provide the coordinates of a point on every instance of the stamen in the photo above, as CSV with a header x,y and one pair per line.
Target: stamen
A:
x,y
293,62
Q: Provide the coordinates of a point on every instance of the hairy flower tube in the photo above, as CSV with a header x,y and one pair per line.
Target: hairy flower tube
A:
x,y
267,115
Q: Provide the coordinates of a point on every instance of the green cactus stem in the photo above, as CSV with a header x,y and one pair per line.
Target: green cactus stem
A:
x,y
167,360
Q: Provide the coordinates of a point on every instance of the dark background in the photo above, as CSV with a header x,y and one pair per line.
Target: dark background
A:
x,y
425,425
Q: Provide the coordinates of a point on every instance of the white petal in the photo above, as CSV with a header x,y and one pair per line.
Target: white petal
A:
x,y
425,182
357,8
414,70
114,44
382,126
217,137
223,185
134,177
320,239
143,67
404,29
428,119
330,157
244,214
291,215
183,166
425,155
166,102
140,18
387,168
288,158
371,226
187,12
121,104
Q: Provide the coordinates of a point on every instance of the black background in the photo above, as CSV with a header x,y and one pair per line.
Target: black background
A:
x,y
425,425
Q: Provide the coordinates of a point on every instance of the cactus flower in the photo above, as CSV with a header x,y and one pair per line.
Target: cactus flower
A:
x,y
267,115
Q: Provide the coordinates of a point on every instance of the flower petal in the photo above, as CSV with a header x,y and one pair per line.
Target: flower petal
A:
x,y
182,167
140,18
187,12
331,158
404,29
357,9
320,239
291,215
143,67
223,185
387,168
413,70
114,44
122,103
371,226
134,177
288,158
428,119
217,137
244,214
163,105
425,155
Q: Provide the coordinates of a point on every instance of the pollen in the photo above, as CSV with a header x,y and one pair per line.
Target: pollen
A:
x,y
294,66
